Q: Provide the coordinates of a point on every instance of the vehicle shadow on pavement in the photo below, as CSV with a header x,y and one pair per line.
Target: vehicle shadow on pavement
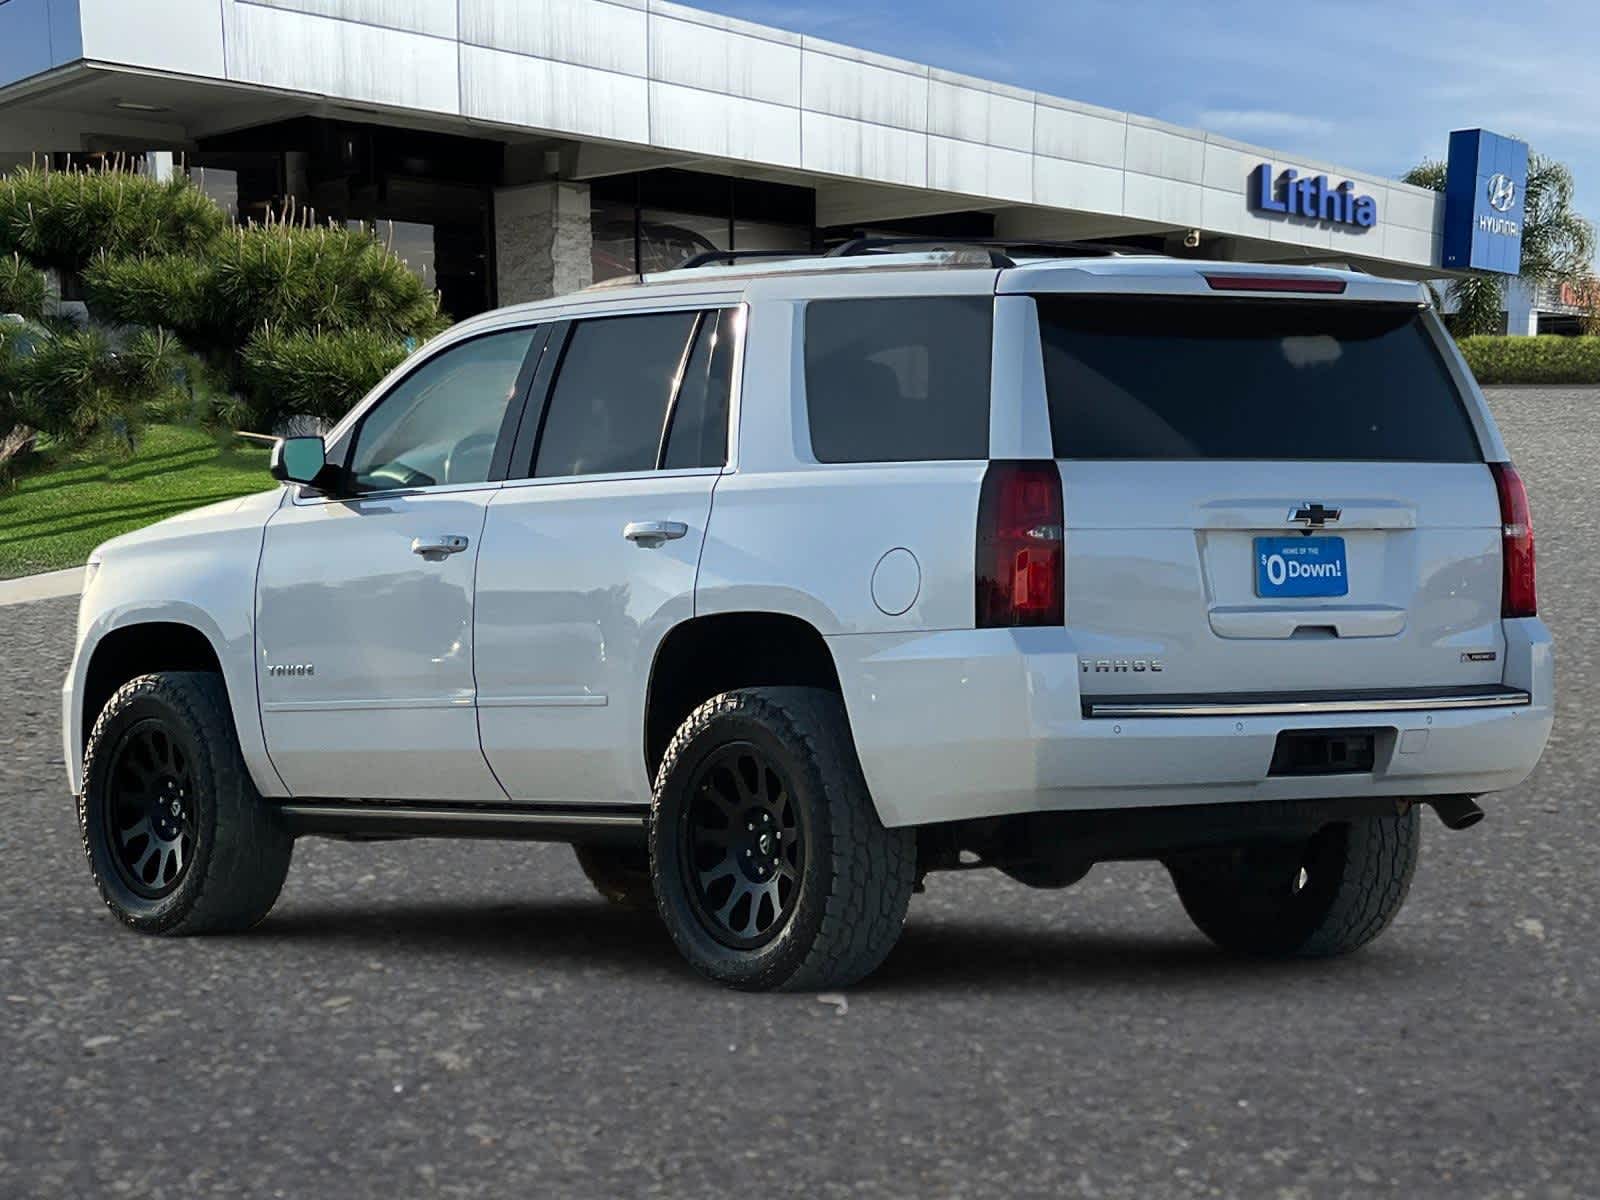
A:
x,y
996,957
929,957
553,932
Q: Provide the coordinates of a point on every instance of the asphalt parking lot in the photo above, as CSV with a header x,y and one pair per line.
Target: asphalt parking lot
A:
x,y
466,1019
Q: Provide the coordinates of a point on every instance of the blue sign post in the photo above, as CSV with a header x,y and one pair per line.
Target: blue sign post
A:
x,y
1483,202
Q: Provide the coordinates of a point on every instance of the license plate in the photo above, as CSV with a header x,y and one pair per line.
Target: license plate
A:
x,y
1301,566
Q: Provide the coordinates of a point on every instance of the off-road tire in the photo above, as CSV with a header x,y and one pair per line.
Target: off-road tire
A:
x,y
856,880
1357,877
620,874
241,849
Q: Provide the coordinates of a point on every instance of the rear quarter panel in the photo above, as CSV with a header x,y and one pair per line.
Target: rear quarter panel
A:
x,y
794,536
791,535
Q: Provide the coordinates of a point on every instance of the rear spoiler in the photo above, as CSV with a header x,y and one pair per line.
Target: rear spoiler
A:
x,y
1167,277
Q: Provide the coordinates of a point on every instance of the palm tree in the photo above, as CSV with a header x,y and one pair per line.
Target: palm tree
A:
x,y
1558,244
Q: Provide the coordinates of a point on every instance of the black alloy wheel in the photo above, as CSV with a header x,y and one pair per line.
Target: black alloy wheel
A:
x,y
176,836
743,846
150,810
770,866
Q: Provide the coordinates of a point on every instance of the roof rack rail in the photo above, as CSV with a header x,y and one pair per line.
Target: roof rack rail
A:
x,y
858,246
707,257
875,245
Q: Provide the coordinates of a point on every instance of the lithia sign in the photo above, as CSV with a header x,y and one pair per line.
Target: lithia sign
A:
x,y
1310,197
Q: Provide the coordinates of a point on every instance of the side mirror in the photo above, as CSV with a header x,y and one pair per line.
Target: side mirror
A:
x,y
298,460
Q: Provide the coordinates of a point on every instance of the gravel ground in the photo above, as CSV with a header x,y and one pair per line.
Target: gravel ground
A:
x,y
460,1019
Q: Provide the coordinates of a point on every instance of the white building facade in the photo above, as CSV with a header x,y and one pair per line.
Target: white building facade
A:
x,y
518,148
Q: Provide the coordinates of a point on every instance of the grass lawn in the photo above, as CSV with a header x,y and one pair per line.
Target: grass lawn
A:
x,y
64,507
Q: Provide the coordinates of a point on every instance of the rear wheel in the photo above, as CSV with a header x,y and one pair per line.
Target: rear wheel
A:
x,y
177,838
771,868
621,875
1327,896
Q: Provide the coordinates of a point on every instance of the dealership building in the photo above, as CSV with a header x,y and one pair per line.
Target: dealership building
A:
x,y
515,149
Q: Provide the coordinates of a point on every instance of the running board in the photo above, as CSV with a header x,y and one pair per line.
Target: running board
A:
x,y
1301,704
616,823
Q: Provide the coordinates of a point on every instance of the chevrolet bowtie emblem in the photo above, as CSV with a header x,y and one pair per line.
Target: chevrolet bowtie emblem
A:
x,y
1314,516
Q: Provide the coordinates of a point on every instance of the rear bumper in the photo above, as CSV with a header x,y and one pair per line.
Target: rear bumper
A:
x,y
1269,704
972,723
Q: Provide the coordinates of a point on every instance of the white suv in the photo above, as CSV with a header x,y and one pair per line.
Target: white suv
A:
x,y
773,587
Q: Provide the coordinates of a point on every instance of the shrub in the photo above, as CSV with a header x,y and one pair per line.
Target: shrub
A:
x,y
16,436
328,277
1533,359
65,219
77,386
290,277
281,319
166,289
315,374
262,300
22,288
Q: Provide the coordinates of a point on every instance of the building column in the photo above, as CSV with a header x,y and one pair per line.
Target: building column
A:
x,y
158,165
542,241
1522,309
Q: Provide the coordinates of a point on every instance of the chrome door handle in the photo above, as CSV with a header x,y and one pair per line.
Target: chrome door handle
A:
x,y
653,533
437,549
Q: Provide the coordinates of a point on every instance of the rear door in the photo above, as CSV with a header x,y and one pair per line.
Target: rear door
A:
x,y
1268,496
591,548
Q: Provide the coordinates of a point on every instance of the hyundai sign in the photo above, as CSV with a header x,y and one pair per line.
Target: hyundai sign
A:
x,y
1483,199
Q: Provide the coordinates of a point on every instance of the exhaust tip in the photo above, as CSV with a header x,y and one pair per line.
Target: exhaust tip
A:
x,y
1456,812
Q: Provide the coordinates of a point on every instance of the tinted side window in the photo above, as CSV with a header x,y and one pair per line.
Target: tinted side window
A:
x,y
440,423
899,380
610,396
1154,378
698,436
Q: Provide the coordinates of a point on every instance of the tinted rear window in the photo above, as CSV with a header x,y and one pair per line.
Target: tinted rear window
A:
x,y
698,435
1155,378
899,380
611,395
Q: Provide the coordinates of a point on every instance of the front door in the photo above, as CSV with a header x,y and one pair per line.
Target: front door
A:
x,y
590,559
364,602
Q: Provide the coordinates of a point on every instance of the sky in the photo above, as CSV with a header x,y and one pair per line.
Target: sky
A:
x,y
1374,85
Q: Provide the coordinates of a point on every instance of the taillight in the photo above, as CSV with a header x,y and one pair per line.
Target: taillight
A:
x,y
1021,553
1518,593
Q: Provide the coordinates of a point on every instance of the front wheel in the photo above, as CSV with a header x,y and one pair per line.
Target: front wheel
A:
x,y
1324,897
177,837
771,868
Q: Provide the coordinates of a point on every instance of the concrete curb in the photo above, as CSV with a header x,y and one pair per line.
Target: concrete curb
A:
x,y
49,586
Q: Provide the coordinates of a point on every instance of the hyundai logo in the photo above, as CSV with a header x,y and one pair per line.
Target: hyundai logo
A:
x,y
1502,192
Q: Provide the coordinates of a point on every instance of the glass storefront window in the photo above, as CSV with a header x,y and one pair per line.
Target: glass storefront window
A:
x,y
246,186
221,185
656,220
426,195
413,243
612,228
762,235
667,238
446,258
